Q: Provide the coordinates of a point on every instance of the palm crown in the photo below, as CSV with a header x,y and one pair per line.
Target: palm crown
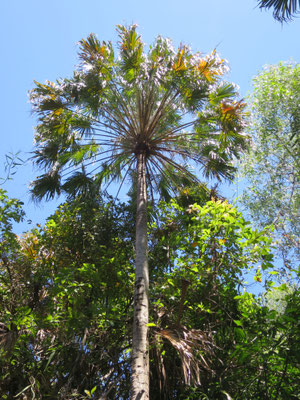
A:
x,y
170,105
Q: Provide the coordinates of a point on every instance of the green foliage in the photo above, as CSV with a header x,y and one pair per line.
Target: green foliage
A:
x,y
66,308
10,212
272,165
197,261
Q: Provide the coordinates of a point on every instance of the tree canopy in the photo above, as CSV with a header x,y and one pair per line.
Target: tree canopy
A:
x,y
271,167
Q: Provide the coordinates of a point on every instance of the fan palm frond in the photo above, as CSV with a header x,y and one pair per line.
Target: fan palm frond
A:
x,y
283,10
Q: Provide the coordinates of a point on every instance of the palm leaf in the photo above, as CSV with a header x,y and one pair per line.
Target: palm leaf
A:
x,y
78,184
283,10
46,186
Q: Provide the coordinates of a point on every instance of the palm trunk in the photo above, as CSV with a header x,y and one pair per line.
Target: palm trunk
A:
x,y
140,354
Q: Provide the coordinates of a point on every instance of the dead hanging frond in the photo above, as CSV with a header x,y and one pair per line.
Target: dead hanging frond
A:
x,y
195,349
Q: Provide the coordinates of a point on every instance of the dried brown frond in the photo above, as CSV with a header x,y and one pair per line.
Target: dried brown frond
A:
x,y
195,349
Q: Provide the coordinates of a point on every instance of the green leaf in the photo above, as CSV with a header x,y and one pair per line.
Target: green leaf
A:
x,y
238,322
151,324
50,359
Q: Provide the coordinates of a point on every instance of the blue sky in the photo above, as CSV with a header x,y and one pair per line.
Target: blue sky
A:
x,y
38,42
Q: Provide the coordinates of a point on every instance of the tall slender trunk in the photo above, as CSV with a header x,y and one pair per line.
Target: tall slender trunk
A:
x,y
140,351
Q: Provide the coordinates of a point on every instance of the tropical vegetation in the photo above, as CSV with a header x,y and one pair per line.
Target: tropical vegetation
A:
x,y
66,298
173,294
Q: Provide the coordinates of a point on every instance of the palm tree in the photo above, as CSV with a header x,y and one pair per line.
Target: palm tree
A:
x,y
283,10
136,114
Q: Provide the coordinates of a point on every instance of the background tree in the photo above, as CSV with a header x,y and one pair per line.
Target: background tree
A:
x,y
223,330
10,212
271,167
65,296
148,113
283,10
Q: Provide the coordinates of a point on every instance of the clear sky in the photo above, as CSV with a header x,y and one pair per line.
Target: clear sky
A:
x,y
38,42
